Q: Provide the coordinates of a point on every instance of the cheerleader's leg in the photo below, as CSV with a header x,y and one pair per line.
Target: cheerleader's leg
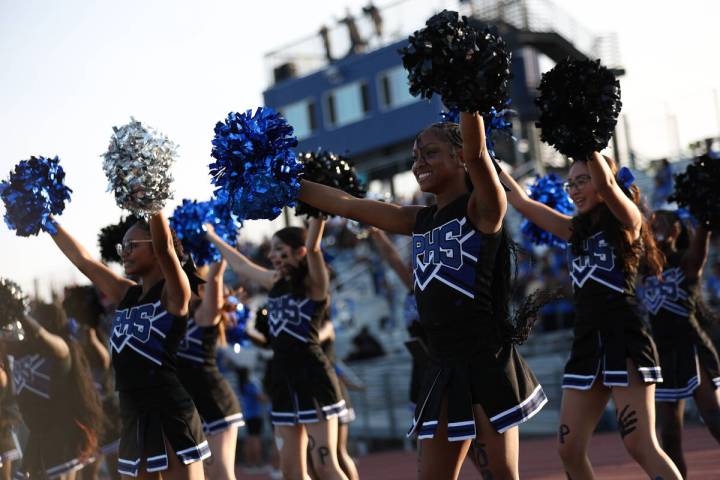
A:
x,y
670,425
437,456
707,399
635,410
292,443
495,455
580,412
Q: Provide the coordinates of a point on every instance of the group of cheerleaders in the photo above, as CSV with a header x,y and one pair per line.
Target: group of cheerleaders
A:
x,y
175,410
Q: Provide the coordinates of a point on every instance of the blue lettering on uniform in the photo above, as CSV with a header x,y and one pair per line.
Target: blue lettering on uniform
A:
x,y
440,246
599,254
135,322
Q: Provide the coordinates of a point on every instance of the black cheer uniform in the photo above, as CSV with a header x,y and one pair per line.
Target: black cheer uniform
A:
x,y
39,382
217,404
683,345
470,361
609,327
153,402
302,380
9,418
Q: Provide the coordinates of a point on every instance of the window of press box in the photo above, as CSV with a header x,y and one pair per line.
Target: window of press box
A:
x,y
347,104
394,88
301,115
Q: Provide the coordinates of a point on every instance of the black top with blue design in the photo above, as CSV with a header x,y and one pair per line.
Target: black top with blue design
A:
x,y
37,382
670,301
144,340
293,321
599,282
198,346
453,267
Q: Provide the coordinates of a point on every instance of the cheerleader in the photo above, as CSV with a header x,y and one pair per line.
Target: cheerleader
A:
x,y
56,395
327,343
9,419
477,385
688,358
612,354
161,429
87,317
304,391
217,404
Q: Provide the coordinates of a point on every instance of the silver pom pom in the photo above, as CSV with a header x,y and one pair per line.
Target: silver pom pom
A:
x,y
137,165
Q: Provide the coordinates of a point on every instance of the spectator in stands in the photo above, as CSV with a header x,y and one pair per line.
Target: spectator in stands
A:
x,y
366,346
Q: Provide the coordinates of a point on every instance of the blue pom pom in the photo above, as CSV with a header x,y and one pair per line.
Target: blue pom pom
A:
x,y
549,191
35,191
494,122
497,122
238,332
450,116
188,219
254,163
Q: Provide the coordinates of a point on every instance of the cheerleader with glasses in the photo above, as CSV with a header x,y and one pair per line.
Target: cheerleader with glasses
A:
x,y
161,429
477,386
688,357
613,354
304,391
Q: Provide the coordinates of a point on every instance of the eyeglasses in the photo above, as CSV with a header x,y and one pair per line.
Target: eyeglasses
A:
x,y
579,183
128,246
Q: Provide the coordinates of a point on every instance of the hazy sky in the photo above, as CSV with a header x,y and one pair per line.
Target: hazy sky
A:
x,y
70,70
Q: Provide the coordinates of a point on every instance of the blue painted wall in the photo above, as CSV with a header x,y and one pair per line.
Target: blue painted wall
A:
x,y
379,128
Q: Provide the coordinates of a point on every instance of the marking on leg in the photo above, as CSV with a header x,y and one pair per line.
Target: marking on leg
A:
x,y
323,451
627,421
564,430
482,460
311,443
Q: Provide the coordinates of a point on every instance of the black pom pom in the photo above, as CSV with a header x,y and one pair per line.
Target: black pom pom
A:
x,y
579,104
13,303
332,170
698,190
469,68
111,235
83,304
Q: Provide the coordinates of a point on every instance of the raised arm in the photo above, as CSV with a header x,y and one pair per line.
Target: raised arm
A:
x,y
53,344
390,254
318,276
111,284
618,202
488,204
99,348
177,285
240,264
208,312
697,253
537,212
385,216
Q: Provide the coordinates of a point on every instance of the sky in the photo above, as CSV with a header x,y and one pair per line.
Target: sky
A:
x,y
71,70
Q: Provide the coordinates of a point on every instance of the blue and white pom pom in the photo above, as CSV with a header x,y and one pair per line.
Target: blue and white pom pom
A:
x,y
137,165
34,192
188,219
549,191
254,163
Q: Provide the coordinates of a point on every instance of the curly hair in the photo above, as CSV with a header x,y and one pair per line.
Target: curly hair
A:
x,y
630,251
